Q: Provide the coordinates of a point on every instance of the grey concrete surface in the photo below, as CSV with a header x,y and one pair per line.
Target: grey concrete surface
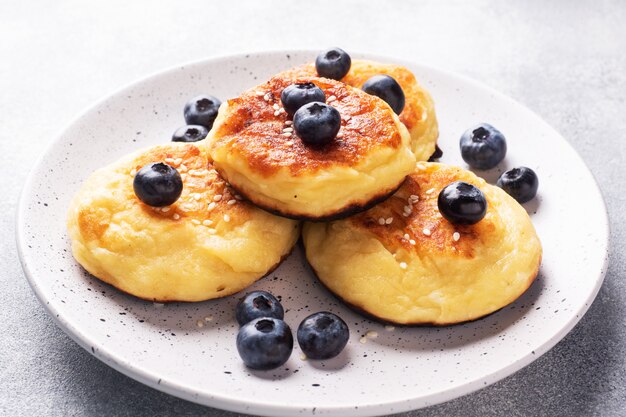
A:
x,y
564,59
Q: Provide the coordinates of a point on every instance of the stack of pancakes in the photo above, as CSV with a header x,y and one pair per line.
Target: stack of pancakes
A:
x,y
372,231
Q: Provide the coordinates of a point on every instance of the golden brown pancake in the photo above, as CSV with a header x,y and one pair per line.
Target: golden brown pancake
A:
x,y
402,262
208,244
253,146
418,114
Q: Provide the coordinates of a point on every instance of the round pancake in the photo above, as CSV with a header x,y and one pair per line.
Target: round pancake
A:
x,y
208,244
400,261
253,146
418,114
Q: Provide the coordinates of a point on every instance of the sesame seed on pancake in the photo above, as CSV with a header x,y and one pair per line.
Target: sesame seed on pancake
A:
x,y
254,146
208,244
403,262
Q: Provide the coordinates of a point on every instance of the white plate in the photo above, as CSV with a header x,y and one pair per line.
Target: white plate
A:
x,y
403,369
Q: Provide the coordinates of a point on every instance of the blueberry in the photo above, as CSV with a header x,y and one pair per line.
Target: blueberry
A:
x,y
323,335
333,63
462,203
202,110
258,304
483,146
158,184
265,343
436,155
520,183
190,133
317,123
388,89
297,95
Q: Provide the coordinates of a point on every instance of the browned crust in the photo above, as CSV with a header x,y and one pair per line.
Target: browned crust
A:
x,y
342,213
414,108
372,316
426,184
253,129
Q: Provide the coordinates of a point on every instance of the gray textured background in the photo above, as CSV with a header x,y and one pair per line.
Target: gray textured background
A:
x,y
564,59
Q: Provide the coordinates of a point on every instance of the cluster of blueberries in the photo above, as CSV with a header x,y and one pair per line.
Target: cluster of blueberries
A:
x,y
265,341
483,147
314,121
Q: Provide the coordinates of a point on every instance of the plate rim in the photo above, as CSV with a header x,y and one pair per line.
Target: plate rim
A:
x,y
232,403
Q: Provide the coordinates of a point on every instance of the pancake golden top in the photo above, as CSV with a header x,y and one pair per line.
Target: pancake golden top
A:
x,y
207,244
256,123
418,114
253,145
403,262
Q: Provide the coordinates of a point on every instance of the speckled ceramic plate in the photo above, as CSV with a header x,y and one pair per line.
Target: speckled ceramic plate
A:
x,y
401,369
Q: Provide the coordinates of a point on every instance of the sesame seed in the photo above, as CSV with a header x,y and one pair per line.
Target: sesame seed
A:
x,y
133,172
199,172
372,334
408,209
176,216
281,110
169,160
212,231
178,161
165,209
231,202
259,93
426,232
217,197
200,323
226,218
267,97
406,236
302,357
288,122
390,328
195,221
363,340
287,134
340,135
456,236
403,265
183,177
331,98
191,172
389,220
276,113
412,242
196,196
288,129
275,106
432,190
182,168
211,206
381,221
405,214
208,318
207,222
289,143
